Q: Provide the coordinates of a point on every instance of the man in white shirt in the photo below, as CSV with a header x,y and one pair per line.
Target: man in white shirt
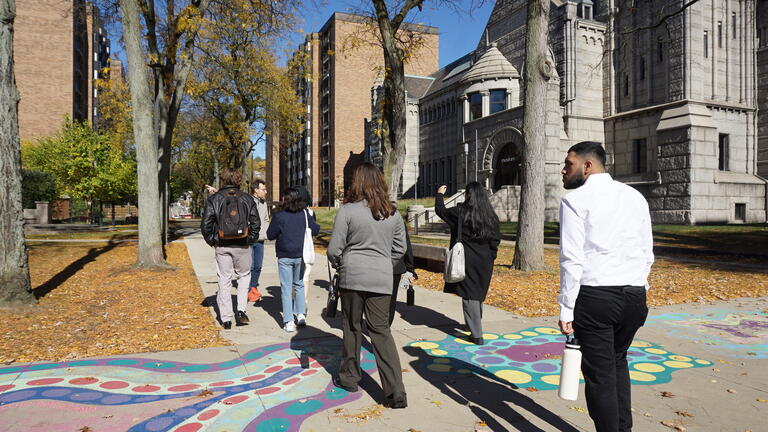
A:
x,y
606,253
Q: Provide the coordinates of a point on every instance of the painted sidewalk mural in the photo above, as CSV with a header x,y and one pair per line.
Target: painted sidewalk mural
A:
x,y
273,388
742,334
531,358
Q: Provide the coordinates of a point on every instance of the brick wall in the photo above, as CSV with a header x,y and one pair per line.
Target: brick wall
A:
x,y
43,52
354,72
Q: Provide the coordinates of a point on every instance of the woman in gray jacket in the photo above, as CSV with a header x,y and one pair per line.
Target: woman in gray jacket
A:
x,y
368,236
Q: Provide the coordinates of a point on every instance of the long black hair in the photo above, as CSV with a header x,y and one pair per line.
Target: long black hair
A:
x,y
479,215
293,201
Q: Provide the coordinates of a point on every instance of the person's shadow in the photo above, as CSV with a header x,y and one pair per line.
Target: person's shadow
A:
x,y
326,349
421,316
485,394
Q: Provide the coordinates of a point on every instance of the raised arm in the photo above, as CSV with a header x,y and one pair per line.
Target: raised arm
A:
x,y
450,216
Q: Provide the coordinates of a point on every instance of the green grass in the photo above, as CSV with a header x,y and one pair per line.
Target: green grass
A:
x,y
325,215
748,238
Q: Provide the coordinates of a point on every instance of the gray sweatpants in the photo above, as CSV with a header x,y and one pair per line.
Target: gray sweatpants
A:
x,y
232,260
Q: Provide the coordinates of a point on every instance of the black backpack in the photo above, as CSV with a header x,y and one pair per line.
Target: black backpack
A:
x,y
233,215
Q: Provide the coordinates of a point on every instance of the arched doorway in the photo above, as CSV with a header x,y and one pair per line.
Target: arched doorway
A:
x,y
506,166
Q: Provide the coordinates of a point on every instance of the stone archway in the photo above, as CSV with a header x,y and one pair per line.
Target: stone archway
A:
x,y
502,157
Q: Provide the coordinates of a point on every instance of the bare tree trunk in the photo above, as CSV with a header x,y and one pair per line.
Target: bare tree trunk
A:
x,y
529,248
150,226
395,120
394,109
15,287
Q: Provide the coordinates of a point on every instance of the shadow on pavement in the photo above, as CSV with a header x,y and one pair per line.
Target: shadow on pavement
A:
x,y
323,342
421,316
485,394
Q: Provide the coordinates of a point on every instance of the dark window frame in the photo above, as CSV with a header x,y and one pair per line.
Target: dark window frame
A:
x,y
639,155
723,152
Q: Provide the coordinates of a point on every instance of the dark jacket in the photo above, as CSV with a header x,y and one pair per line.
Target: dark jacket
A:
x,y
288,228
479,255
209,225
405,264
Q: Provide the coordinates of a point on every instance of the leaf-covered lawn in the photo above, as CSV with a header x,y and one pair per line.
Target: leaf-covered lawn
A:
x,y
96,304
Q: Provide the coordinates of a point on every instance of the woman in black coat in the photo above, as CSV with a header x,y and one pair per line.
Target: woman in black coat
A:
x,y
481,237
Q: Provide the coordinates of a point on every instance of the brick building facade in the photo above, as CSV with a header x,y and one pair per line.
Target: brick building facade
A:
x,y
60,48
342,63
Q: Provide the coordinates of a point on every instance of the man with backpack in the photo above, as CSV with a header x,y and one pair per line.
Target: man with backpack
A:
x,y
231,225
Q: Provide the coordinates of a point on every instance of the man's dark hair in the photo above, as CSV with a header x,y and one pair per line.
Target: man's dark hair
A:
x,y
231,177
586,149
256,183
292,201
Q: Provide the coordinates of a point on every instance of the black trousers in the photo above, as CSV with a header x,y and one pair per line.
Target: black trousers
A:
x,y
605,322
395,288
376,308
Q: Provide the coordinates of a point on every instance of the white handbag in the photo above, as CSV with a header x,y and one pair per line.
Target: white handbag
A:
x,y
454,258
308,253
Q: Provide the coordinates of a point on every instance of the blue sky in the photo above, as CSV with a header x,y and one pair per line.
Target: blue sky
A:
x,y
459,32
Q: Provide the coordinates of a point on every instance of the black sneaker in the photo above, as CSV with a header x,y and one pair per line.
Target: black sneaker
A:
x,y
241,318
227,325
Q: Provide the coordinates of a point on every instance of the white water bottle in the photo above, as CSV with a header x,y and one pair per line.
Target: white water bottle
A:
x,y
569,370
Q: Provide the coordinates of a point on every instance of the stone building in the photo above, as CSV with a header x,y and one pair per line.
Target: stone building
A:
x,y
342,63
60,48
674,101
761,29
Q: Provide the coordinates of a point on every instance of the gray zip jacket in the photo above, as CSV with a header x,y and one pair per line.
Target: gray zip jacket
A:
x,y
362,249
263,209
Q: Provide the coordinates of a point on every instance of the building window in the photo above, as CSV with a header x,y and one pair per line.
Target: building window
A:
x,y
475,106
719,34
498,101
722,153
639,156
626,85
642,68
660,51
733,25
740,213
706,44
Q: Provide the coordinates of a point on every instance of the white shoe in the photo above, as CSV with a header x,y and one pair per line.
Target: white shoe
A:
x,y
290,327
301,320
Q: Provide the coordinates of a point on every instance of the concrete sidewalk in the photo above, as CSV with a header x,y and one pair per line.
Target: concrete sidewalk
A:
x,y
709,359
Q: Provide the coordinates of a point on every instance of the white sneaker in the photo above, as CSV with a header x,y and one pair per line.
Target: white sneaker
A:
x,y
290,327
301,320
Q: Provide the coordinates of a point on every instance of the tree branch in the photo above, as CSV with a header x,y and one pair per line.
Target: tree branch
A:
x,y
663,19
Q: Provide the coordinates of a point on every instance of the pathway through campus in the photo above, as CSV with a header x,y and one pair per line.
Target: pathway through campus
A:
x,y
701,367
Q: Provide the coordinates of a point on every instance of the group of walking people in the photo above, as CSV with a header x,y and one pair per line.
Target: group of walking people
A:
x,y
241,254
605,258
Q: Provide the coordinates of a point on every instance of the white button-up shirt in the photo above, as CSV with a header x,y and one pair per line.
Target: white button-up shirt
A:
x,y
605,239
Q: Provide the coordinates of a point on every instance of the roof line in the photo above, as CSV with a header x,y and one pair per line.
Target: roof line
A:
x,y
418,76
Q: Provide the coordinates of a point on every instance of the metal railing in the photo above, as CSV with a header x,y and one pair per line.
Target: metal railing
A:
x,y
414,220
